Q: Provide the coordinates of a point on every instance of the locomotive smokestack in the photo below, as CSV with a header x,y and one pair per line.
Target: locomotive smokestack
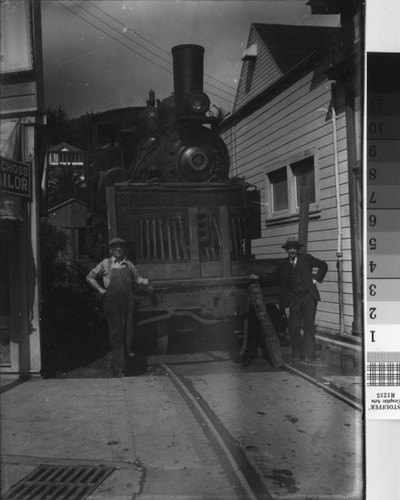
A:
x,y
188,61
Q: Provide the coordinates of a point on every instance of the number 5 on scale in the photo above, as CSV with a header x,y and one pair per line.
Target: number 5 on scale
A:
x,y
372,243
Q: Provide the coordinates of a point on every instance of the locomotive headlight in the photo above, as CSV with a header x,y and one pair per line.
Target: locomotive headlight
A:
x,y
197,103
197,158
195,163
197,153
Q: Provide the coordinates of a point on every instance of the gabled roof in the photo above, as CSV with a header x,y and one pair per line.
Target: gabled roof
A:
x,y
63,145
67,202
283,53
289,45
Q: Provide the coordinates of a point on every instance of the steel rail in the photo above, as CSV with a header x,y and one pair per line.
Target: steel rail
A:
x,y
321,383
218,441
327,387
224,444
324,385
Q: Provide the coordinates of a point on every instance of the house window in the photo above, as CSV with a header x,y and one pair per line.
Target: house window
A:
x,y
287,182
279,189
65,157
54,157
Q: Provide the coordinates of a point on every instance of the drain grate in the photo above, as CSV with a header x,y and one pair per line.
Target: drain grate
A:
x,y
52,482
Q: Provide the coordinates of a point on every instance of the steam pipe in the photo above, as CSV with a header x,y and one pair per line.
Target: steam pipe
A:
x,y
339,250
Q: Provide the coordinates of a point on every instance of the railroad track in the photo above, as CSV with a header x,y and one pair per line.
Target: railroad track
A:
x,y
302,371
247,428
247,480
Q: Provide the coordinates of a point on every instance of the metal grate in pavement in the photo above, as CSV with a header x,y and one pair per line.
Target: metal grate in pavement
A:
x,y
55,482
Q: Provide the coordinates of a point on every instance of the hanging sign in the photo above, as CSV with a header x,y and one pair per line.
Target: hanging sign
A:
x,y
15,178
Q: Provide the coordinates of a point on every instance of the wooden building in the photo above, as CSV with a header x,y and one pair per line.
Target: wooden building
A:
x,y
22,118
71,217
296,127
66,155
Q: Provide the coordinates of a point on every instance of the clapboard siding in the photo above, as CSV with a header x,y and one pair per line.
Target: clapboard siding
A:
x,y
256,76
296,121
331,287
297,110
18,98
269,119
289,95
271,153
284,122
270,140
277,146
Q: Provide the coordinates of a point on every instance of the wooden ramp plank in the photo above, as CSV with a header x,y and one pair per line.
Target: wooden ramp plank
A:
x,y
267,330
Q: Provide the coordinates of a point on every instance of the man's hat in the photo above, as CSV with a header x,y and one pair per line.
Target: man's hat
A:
x,y
292,242
116,241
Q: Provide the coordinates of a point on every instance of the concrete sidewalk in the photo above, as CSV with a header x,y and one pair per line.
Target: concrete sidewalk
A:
x,y
136,424
140,426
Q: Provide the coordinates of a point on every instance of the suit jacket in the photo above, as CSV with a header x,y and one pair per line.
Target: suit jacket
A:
x,y
305,265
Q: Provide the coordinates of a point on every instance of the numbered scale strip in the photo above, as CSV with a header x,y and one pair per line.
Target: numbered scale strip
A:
x,y
382,370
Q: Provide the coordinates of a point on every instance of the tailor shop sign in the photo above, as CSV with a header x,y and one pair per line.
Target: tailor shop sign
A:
x,y
15,178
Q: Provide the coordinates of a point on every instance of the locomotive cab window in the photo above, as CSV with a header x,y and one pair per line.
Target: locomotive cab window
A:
x,y
287,183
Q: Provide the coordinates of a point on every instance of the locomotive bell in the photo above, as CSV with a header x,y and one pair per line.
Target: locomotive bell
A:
x,y
188,65
148,118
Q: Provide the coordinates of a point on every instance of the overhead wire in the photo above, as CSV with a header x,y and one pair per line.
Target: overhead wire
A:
x,y
152,43
116,39
143,47
124,26
122,34
129,47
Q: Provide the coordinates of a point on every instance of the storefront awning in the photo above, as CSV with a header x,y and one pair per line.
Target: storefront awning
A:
x,y
10,138
10,147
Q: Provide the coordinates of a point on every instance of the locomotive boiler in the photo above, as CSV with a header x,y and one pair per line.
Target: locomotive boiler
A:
x,y
189,225
181,142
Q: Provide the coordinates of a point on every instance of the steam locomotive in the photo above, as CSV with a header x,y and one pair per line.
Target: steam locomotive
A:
x,y
189,225
178,146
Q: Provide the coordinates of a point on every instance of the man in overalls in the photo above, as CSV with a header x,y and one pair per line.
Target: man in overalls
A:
x,y
114,278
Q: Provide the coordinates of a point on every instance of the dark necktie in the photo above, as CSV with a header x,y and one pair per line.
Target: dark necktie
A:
x,y
293,262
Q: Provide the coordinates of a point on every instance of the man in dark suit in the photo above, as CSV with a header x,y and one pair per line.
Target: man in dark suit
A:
x,y
299,293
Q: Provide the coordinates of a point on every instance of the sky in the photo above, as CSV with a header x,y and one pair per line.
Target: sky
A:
x,y
106,54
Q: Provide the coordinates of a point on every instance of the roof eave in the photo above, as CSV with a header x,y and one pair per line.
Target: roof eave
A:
x,y
273,89
66,202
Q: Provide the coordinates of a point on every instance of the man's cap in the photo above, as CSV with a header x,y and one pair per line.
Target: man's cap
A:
x,y
292,242
116,241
